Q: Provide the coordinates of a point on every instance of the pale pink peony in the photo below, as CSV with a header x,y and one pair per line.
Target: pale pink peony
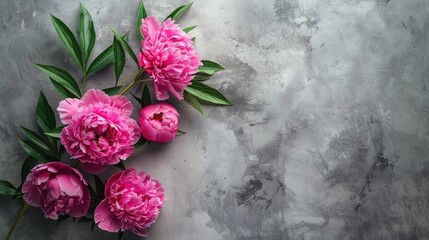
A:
x,y
58,189
133,202
168,56
100,131
159,122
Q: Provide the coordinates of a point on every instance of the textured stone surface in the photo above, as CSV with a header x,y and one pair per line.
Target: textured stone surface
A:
x,y
327,138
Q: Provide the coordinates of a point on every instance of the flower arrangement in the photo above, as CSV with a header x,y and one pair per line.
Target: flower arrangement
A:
x,y
97,130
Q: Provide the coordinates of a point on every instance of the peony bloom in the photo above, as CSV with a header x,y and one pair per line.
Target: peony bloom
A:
x,y
100,131
58,189
159,122
168,56
133,201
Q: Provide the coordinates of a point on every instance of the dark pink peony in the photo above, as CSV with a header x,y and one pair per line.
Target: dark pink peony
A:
x,y
100,131
159,122
58,189
168,56
133,202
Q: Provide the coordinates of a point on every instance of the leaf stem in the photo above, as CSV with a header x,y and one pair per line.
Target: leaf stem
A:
x,y
18,218
127,88
128,78
139,73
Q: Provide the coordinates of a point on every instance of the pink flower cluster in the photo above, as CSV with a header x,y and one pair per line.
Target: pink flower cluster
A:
x,y
133,202
100,131
168,55
58,189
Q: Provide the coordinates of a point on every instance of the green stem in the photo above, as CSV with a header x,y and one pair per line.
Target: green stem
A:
x,y
18,218
127,88
128,78
140,72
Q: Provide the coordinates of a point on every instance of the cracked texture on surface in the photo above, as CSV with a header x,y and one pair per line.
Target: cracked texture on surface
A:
x,y
327,137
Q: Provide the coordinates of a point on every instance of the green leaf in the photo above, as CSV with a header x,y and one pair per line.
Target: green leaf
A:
x,y
6,188
66,36
104,59
188,29
180,133
193,102
119,55
201,77
101,61
141,14
207,93
120,165
28,164
56,133
45,117
112,91
62,90
125,45
35,138
86,35
140,143
18,193
33,150
210,67
146,99
92,192
61,150
99,187
176,14
62,77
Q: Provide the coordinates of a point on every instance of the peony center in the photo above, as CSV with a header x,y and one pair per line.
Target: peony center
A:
x,y
158,116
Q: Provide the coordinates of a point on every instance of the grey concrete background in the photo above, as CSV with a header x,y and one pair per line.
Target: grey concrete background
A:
x,y
328,137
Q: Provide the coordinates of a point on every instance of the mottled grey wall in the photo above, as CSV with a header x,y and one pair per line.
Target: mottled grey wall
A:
x,y
327,138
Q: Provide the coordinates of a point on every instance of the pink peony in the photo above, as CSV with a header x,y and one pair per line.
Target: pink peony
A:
x,y
159,122
133,202
168,56
58,189
100,131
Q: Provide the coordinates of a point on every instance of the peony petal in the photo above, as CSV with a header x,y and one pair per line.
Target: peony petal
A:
x,y
141,57
68,186
178,94
163,137
94,168
148,111
105,219
147,131
123,103
81,209
52,190
93,96
149,26
31,193
161,92
110,182
68,108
